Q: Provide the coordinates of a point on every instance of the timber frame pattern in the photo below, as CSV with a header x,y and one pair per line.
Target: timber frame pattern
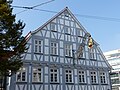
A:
x,y
49,62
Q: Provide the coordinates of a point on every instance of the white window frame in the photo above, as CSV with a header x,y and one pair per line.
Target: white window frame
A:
x,y
54,48
67,30
68,50
92,53
21,75
68,76
38,46
103,78
79,32
93,75
54,75
66,14
82,76
53,27
37,74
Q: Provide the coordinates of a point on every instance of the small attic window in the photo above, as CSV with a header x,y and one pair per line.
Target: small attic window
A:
x,y
67,30
66,14
53,27
79,32
92,53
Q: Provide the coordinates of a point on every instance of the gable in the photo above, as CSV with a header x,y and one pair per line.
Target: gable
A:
x,y
64,28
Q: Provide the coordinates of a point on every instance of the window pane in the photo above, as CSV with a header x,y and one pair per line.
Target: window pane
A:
x,y
23,76
38,46
68,76
37,74
81,76
93,77
68,50
54,75
53,48
102,77
19,76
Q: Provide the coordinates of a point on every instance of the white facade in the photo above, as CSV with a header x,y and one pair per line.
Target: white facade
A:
x,y
51,64
113,58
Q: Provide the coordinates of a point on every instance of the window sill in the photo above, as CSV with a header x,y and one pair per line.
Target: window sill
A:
x,y
95,84
68,56
80,36
21,82
53,55
53,30
81,58
82,83
67,33
37,83
38,53
54,83
104,84
71,83
93,59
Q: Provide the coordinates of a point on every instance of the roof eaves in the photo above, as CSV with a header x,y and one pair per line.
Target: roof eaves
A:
x,y
27,37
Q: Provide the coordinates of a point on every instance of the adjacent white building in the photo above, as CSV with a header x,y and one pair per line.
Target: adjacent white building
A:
x,y
113,58
50,63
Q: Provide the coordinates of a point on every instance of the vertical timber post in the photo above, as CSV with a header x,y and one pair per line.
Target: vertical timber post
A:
x,y
73,54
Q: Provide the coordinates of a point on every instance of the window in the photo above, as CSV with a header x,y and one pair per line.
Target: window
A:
x,y
68,76
66,14
82,77
92,53
102,77
36,75
54,75
54,47
68,50
67,30
21,75
93,77
79,32
38,46
53,27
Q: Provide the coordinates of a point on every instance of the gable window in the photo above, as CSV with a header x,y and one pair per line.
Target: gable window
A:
x,y
36,75
21,75
93,77
82,76
68,50
66,14
54,75
67,30
53,27
68,76
79,32
38,45
54,47
92,53
102,77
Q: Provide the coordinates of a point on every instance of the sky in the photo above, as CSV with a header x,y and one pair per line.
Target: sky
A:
x,y
101,18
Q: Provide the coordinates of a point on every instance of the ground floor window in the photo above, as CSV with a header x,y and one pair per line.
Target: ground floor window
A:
x,y
21,75
68,76
93,77
81,76
36,74
54,78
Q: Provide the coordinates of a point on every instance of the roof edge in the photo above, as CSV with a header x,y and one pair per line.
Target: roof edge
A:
x,y
66,8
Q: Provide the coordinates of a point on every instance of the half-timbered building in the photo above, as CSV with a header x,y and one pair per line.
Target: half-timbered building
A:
x,y
52,61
